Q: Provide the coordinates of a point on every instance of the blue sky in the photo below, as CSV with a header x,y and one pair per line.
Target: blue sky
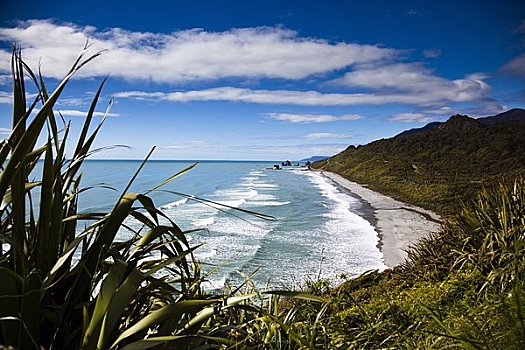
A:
x,y
269,80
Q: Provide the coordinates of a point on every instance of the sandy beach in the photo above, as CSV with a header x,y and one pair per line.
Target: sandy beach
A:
x,y
398,224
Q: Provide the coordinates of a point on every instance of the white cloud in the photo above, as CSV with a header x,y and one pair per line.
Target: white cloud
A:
x,y
312,118
424,115
445,110
73,101
5,131
297,151
458,91
187,55
516,66
412,83
327,135
184,145
271,52
411,118
374,74
4,78
143,95
6,97
432,53
411,77
78,113
225,150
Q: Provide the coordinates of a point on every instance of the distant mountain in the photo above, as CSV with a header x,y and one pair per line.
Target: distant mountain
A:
x,y
438,164
510,116
513,115
314,159
427,127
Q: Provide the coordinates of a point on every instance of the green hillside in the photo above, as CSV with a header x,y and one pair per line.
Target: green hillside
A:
x,y
440,164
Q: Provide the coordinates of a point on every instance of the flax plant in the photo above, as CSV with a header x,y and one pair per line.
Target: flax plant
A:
x,y
63,287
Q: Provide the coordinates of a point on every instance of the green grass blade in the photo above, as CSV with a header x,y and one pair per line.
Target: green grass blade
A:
x,y
109,286
119,301
155,341
9,304
46,205
149,206
89,117
30,136
172,311
218,206
298,295
7,198
173,177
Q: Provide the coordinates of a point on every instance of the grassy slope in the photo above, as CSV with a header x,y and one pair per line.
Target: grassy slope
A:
x,y
437,168
461,288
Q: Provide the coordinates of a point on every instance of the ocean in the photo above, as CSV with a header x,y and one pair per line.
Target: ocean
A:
x,y
320,229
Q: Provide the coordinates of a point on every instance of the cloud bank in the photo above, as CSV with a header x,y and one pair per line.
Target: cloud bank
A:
x,y
516,66
312,118
327,135
445,92
186,55
411,118
369,74
77,113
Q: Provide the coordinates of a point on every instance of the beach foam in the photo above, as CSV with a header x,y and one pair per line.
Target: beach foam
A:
x,y
204,222
174,204
261,203
353,241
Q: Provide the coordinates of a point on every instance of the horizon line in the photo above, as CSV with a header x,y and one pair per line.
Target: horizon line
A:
x,y
194,160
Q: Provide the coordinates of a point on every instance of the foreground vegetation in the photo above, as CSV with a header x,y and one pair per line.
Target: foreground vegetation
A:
x,y
68,280
463,287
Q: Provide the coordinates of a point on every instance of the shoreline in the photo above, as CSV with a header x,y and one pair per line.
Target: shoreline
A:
x,y
398,225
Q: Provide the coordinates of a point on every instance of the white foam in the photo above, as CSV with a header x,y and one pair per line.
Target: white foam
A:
x,y
329,190
214,284
237,193
5,247
202,255
297,169
264,197
261,203
204,222
174,204
264,185
352,240
233,226
231,203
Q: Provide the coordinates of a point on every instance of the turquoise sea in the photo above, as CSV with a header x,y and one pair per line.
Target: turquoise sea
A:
x,y
319,229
